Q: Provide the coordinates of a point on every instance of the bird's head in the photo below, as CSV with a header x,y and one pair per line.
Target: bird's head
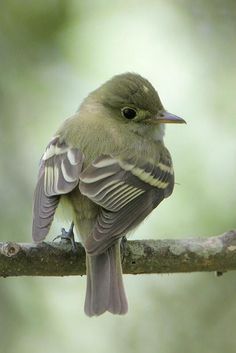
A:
x,y
130,97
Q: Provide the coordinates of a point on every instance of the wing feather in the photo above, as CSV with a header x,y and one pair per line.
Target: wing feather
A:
x,y
60,168
127,192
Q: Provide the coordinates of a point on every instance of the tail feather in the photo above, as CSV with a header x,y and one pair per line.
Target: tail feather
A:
x,y
105,289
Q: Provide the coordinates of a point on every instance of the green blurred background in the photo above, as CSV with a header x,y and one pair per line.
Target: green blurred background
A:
x,y
52,53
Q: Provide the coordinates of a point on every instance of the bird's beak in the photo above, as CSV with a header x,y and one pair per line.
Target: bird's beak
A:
x,y
168,118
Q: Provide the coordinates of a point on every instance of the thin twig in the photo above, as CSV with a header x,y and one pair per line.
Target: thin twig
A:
x,y
217,253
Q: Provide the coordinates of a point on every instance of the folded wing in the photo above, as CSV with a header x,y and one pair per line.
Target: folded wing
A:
x,y
127,192
59,172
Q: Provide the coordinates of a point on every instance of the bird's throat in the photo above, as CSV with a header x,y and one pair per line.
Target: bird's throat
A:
x,y
150,131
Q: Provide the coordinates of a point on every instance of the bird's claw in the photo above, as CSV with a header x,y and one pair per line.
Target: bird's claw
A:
x,y
68,236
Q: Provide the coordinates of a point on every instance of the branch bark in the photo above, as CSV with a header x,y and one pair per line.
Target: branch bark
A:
x,y
217,253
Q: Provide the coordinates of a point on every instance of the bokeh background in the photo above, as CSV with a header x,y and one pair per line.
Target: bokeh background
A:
x,y
52,53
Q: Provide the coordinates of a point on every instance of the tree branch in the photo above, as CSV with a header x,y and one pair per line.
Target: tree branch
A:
x,y
216,253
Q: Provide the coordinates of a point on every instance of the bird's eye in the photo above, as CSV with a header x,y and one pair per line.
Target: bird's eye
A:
x,y
129,113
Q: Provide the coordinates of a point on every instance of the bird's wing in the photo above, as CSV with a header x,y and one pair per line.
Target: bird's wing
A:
x,y
127,192
60,167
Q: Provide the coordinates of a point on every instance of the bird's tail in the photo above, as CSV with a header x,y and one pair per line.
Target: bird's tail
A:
x,y
105,289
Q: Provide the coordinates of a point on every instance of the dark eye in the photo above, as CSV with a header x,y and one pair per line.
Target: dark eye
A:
x,y
129,113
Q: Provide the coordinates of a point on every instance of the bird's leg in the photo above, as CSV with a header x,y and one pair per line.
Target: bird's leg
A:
x,y
122,247
69,236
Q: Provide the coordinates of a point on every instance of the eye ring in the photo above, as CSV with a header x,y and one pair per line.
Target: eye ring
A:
x,y
128,113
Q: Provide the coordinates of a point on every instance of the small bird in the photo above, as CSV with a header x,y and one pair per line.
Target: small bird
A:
x,y
108,162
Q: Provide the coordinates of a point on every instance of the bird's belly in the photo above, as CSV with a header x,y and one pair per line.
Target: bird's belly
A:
x,y
83,212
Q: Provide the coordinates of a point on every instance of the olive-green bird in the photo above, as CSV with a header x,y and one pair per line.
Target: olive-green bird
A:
x,y
109,162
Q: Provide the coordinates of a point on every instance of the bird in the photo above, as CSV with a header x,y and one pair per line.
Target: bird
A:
x,y
109,165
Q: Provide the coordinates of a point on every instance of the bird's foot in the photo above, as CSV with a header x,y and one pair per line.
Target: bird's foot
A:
x,y
68,236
